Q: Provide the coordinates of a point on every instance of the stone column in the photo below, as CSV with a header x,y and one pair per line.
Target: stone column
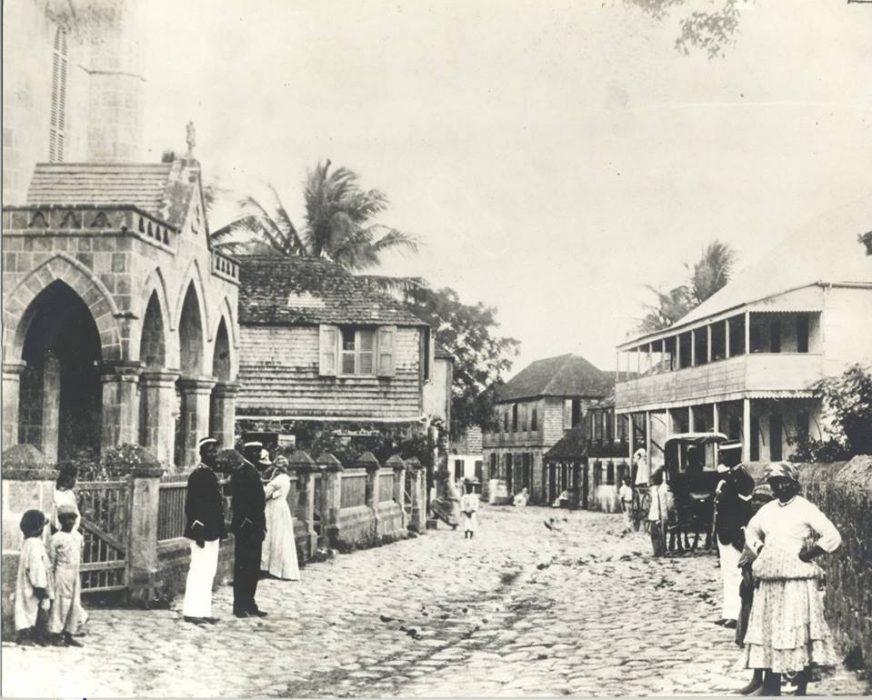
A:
x,y
11,398
196,395
369,462
222,422
399,466
120,404
51,407
304,465
331,498
142,559
418,511
160,395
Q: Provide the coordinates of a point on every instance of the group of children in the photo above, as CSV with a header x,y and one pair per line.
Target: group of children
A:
x,y
48,607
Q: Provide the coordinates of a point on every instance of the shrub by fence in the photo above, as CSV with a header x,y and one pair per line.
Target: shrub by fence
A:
x,y
843,491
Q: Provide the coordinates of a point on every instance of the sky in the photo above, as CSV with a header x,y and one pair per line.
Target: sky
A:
x,y
553,157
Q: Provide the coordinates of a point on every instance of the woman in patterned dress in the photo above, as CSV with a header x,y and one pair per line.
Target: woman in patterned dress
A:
x,y
787,632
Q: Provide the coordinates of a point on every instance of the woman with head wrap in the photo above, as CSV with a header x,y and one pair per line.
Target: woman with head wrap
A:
x,y
279,555
787,632
33,590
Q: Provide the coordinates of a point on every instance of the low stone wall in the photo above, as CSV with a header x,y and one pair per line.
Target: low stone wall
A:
x,y
843,491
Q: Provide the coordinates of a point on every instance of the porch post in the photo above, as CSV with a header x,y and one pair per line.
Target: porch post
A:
x,y
648,435
196,395
690,422
678,351
51,407
11,398
120,405
727,338
222,420
716,420
708,330
692,348
747,332
631,435
618,366
746,430
159,429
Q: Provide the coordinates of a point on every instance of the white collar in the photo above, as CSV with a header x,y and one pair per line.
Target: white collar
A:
x,y
787,503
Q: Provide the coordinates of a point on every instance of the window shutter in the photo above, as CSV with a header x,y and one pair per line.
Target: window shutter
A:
x,y
329,350
385,348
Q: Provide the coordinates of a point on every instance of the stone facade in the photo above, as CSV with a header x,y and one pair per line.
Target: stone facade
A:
x,y
137,308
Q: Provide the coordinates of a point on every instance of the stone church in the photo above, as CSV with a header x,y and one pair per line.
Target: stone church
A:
x,y
119,320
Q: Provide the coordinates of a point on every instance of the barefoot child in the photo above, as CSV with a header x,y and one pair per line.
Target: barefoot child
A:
x,y
65,553
32,589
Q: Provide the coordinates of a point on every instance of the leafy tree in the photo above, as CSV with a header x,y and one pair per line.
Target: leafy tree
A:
x,y
481,357
847,408
709,274
339,214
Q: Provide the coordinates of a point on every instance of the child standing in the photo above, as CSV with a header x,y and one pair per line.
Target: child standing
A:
x,y
33,587
469,508
625,494
66,553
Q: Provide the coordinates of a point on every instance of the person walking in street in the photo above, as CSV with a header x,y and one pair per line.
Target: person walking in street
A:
x,y
33,586
204,528
279,555
625,495
65,554
446,504
658,512
787,632
469,507
249,528
641,479
732,513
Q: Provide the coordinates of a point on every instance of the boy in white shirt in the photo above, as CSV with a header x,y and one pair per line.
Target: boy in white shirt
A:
x,y
625,495
469,508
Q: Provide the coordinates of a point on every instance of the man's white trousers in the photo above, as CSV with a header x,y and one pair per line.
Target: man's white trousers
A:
x,y
198,587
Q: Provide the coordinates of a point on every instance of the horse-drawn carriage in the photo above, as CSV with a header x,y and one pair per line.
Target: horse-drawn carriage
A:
x,y
690,466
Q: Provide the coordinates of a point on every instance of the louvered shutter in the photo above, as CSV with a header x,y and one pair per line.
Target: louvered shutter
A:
x,y
328,347
385,348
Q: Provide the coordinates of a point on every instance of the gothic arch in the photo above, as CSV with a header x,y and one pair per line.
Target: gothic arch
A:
x,y
18,313
192,334
155,286
194,275
227,314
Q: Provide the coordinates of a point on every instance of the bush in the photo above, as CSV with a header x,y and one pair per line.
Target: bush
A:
x,y
122,460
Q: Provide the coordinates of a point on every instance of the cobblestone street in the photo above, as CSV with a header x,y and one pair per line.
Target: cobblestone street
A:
x,y
521,610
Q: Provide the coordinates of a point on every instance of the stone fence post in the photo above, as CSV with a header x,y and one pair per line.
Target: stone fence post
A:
x,y
369,462
304,466
418,510
142,559
331,498
399,466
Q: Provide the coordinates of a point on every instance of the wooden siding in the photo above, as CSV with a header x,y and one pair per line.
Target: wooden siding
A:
x,y
722,380
279,376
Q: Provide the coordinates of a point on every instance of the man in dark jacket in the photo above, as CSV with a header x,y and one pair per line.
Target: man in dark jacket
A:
x,y
732,513
249,527
204,527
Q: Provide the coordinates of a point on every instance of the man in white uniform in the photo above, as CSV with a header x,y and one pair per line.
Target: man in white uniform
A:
x,y
205,528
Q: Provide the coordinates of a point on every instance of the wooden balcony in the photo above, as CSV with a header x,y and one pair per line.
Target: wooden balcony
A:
x,y
724,380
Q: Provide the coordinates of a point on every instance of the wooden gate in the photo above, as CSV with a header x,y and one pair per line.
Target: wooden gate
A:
x,y
104,506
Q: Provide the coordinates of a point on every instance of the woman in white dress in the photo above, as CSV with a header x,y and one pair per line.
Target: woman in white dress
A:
x,y
279,554
787,632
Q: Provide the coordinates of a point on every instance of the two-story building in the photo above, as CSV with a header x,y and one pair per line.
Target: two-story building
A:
x,y
322,350
534,410
746,360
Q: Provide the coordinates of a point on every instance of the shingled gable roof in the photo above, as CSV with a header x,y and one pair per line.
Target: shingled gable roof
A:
x,y
163,190
565,375
573,445
306,291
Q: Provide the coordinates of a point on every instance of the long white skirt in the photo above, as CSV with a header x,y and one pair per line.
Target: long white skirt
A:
x,y
279,554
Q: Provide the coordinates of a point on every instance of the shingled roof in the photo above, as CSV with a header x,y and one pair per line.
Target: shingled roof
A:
x,y
565,375
305,291
163,190
573,445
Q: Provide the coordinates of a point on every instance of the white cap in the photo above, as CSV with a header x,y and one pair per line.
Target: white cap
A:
x,y
253,443
206,441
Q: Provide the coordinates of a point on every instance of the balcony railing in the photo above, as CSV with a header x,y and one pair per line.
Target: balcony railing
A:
x,y
722,380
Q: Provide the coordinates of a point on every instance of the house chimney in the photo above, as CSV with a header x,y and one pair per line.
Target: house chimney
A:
x,y
866,240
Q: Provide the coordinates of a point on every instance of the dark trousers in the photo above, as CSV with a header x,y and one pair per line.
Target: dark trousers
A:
x,y
246,572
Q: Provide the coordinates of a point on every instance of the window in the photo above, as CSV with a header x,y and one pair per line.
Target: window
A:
x,y
357,351
458,469
775,337
610,473
802,333
567,414
506,421
534,418
57,122
514,418
576,412
350,351
597,426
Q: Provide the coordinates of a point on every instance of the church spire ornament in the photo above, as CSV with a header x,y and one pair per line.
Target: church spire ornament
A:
x,y
190,139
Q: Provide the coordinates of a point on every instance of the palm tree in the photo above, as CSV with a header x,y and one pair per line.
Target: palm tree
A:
x,y
711,272
338,215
